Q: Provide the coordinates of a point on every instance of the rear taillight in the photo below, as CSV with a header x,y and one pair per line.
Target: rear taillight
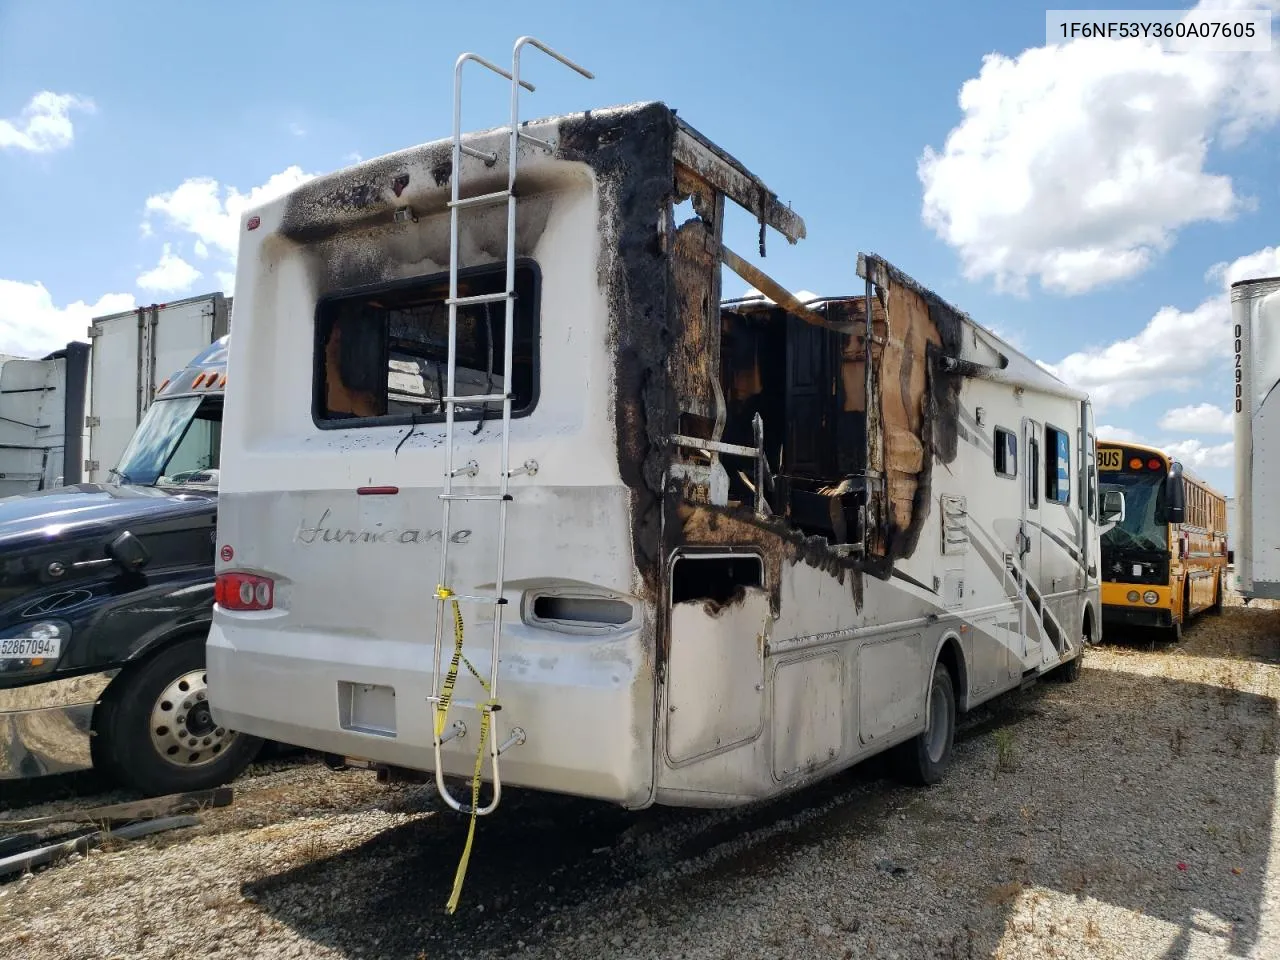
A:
x,y
243,591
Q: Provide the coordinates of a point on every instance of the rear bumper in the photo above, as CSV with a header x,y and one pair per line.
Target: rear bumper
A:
x,y
585,705
45,727
1114,615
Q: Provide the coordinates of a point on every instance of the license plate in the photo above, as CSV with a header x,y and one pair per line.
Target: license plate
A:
x,y
30,648
1109,459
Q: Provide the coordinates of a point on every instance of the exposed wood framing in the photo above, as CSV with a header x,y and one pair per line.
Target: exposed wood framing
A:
x,y
737,183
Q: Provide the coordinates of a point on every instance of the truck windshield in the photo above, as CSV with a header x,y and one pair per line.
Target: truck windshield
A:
x,y
1144,526
175,445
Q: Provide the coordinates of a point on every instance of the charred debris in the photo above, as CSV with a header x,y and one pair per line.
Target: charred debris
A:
x,y
805,431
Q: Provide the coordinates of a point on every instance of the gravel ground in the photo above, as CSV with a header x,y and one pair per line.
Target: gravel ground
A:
x,y
1127,815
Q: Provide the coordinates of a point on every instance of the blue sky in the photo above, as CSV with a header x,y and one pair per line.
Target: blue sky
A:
x,y
1076,198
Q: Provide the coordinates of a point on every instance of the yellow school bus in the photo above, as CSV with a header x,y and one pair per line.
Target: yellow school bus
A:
x,y
1164,540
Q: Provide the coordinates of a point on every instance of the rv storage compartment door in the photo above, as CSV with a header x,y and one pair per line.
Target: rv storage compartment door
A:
x,y
715,680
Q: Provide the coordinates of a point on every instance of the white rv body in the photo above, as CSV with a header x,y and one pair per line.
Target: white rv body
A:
x,y
665,642
1255,320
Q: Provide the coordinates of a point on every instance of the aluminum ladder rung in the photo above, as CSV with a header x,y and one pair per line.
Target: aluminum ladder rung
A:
x,y
488,601
465,704
494,497
480,298
498,196
478,398
537,142
488,156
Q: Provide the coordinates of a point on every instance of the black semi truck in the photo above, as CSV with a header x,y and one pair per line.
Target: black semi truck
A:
x,y
106,595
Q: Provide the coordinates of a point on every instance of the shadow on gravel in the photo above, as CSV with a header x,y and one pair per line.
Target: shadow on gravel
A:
x,y
543,867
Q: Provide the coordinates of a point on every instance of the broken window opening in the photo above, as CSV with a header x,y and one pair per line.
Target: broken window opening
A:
x,y
719,580
808,385
382,353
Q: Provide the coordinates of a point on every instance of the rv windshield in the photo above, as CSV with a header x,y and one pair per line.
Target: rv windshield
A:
x,y
1144,526
175,445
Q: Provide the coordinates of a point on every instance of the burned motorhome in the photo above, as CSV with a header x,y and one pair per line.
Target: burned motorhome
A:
x,y
672,548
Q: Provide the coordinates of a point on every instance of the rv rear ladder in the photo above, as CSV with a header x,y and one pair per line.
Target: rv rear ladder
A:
x,y
442,698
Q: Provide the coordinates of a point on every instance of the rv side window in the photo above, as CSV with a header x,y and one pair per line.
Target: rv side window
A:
x,y
1033,473
382,354
1006,453
1057,466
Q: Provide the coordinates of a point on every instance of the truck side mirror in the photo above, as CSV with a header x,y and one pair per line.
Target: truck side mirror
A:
x,y
1112,506
128,551
1175,495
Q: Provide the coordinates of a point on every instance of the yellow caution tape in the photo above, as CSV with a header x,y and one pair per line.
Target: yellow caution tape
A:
x,y
442,710
465,860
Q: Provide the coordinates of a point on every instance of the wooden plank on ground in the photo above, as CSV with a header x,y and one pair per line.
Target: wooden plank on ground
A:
x,y
166,806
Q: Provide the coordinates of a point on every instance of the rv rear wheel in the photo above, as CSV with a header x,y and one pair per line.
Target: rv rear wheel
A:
x,y
153,730
924,759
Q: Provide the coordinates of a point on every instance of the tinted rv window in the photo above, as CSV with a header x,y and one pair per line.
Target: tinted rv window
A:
x,y
1033,473
382,353
1057,466
1006,453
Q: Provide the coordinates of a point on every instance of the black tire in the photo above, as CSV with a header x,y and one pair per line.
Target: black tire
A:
x,y
1068,672
917,763
1216,609
123,743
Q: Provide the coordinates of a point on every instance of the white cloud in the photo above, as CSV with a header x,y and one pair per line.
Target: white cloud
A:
x,y
201,249
44,124
171,275
352,157
1264,263
226,281
1077,164
31,325
1174,351
297,129
1118,434
804,296
211,212
1198,456
1200,418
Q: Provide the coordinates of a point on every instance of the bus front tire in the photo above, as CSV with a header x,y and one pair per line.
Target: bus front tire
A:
x,y
153,731
923,760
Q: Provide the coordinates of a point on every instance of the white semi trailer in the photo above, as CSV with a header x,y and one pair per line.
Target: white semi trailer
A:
x,y
42,402
66,418
132,354
1255,321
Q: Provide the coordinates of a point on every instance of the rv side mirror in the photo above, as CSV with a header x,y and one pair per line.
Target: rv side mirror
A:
x,y
1112,506
128,551
1175,495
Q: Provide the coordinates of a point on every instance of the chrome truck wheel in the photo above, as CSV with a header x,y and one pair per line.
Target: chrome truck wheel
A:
x,y
183,730
154,731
